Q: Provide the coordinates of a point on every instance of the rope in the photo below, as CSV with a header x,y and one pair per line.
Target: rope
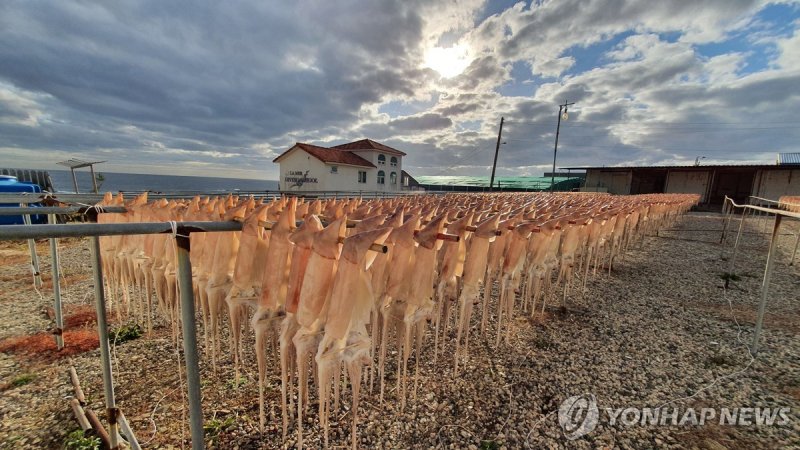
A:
x,y
174,226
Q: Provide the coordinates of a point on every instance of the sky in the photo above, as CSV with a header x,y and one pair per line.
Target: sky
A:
x,y
221,88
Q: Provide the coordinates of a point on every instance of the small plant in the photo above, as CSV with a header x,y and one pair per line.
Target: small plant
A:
x,y
215,426
489,445
730,277
234,384
719,360
125,333
23,379
542,342
78,440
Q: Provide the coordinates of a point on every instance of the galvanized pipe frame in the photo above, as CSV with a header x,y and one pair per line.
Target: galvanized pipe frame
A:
x,y
728,207
91,199
33,211
51,211
181,231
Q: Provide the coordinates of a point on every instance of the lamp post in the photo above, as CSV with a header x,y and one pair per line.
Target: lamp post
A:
x,y
697,160
555,148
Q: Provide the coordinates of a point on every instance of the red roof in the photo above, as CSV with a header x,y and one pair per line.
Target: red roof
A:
x,y
369,144
329,155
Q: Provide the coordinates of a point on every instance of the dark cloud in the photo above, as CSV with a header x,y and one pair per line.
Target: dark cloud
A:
x,y
429,121
207,84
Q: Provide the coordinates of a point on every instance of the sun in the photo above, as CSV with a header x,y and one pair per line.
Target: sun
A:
x,y
450,61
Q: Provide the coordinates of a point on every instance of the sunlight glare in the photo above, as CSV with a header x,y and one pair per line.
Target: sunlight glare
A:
x,y
449,62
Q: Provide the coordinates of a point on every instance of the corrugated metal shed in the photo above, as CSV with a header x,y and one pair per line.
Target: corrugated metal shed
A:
x,y
522,183
788,158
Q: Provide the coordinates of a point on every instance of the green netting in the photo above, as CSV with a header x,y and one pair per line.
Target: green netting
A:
x,y
528,183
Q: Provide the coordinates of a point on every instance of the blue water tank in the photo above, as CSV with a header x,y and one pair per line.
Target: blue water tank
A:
x,y
11,184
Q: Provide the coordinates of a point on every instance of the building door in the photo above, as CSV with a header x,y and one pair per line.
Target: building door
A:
x,y
736,184
648,181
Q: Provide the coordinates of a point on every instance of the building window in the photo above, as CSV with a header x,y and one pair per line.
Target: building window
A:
x,y
405,181
382,159
393,161
381,177
362,176
393,178
334,169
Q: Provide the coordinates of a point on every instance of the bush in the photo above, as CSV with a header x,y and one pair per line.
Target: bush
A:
x,y
78,440
125,333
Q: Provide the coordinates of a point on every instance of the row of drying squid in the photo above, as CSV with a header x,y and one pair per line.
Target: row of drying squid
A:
x,y
329,279
790,202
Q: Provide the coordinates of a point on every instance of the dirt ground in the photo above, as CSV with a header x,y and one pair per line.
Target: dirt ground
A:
x,y
659,329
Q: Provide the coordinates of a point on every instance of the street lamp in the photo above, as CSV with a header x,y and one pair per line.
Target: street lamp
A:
x,y
697,160
562,114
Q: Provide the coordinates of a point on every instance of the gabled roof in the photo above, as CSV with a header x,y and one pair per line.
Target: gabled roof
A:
x,y
329,155
369,145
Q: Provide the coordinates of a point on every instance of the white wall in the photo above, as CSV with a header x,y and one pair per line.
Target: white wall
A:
x,y
345,178
775,183
615,182
688,182
372,156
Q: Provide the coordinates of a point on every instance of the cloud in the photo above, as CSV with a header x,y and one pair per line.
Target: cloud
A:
x,y
223,88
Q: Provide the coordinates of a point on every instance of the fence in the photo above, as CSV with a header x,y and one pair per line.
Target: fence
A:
x,y
181,232
728,209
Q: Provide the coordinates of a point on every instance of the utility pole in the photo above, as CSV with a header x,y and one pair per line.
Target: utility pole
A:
x,y
496,151
555,149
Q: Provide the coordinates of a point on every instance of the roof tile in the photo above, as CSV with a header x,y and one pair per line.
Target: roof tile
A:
x,y
329,155
369,144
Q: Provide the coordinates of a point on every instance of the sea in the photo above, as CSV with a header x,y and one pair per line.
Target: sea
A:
x,y
113,182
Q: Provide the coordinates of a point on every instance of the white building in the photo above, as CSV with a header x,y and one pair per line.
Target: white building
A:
x,y
363,165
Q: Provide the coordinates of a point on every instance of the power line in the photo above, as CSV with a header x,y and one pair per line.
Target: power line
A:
x,y
542,123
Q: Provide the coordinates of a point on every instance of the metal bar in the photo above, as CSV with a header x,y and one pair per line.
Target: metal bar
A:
x,y
15,232
55,263
732,267
74,180
128,431
105,350
94,180
190,341
762,306
776,211
15,211
794,252
90,198
37,276
726,222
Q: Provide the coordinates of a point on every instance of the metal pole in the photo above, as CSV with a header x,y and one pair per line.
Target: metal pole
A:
x,y
14,211
94,180
496,151
37,276
555,150
55,263
794,252
74,180
762,306
190,341
12,232
736,245
105,350
726,221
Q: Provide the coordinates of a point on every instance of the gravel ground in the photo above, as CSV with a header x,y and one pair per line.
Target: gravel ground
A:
x,y
658,328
